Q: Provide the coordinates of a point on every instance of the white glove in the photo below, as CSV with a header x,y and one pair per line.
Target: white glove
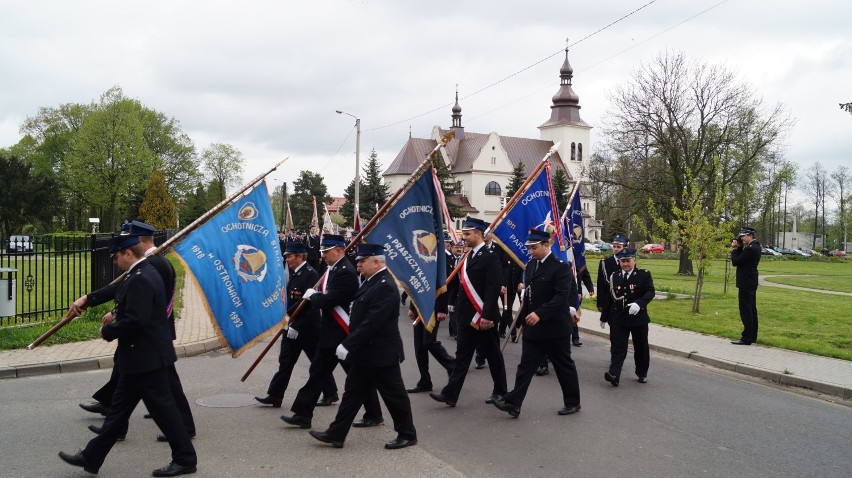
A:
x,y
451,308
341,352
292,333
308,293
603,325
634,308
573,311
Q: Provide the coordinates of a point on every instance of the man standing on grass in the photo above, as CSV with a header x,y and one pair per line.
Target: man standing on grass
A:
x,y
745,256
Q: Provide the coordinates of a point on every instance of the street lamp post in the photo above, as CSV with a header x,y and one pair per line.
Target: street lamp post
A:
x,y
357,161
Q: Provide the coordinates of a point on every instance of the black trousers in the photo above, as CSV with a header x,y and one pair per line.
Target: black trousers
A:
x,y
322,367
468,341
618,336
105,394
536,351
748,313
287,358
153,389
508,315
361,383
426,342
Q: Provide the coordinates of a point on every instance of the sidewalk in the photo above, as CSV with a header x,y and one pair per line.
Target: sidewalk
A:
x,y
195,336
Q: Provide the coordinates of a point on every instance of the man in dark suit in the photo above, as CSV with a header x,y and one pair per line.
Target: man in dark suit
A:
x,y
606,268
478,314
374,351
312,242
337,289
144,354
745,256
549,288
426,342
505,272
631,291
302,332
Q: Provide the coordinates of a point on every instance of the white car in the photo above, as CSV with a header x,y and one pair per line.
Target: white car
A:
x,y
20,244
592,247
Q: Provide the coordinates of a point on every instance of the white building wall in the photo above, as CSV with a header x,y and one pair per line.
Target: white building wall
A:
x,y
565,135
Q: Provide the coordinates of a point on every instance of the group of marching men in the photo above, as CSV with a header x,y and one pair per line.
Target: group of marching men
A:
x,y
350,316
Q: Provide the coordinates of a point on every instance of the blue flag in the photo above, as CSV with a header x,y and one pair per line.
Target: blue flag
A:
x,y
236,260
535,208
412,233
575,233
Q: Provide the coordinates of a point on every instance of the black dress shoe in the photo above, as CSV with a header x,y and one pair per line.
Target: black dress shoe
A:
x,y
77,460
173,469
493,396
440,397
147,415
162,438
300,421
740,342
480,366
97,431
611,379
325,437
569,410
94,407
269,400
327,401
542,371
418,389
400,442
368,422
643,379
577,343
507,407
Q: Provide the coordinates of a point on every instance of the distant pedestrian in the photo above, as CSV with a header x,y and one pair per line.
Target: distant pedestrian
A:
x,y
745,256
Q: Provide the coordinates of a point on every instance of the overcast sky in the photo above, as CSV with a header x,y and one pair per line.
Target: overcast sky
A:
x,y
267,76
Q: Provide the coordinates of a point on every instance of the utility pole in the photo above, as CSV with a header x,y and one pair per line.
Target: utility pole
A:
x,y
357,198
283,204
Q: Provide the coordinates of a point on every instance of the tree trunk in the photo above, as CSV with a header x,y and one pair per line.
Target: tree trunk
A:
x,y
685,265
699,284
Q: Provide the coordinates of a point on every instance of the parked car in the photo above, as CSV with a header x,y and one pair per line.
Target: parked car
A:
x,y
802,252
605,247
837,253
769,252
809,252
786,252
20,244
652,248
592,247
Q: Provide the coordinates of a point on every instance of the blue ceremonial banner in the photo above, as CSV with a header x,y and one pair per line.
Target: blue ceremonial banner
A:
x,y
412,232
236,261
575,233
535,208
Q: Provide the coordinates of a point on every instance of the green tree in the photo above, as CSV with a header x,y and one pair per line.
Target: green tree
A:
x,y
174,150
25,195
108,155
157,208
223,164
309,185
561,188
372,194
193,205
517,179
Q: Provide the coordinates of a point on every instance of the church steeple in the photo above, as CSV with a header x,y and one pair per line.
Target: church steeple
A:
x,y
566,103
457,125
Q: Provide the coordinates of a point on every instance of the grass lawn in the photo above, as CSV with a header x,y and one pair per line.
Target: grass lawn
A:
x,y
838,283
796,320
84,327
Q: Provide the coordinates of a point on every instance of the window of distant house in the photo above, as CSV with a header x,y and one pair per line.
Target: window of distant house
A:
x,y
580,152
492,189
573,151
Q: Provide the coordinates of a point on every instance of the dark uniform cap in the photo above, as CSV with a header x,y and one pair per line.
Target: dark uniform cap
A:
x,y
626,254
332,240
139,228
122,242
295,248
447,237
536,236
369,250
747,231
619,240
471,223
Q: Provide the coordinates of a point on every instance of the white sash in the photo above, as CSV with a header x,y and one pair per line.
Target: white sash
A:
x,y
337,312
472,296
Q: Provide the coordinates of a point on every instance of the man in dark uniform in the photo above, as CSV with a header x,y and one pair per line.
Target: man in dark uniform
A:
x,y
144,354
313,244
745,256
426,342
505,271
337,289
549,288
606,268
631,291
452,289
478,314
374,351
302,333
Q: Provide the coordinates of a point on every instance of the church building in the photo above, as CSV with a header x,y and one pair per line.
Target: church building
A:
x,y
483,162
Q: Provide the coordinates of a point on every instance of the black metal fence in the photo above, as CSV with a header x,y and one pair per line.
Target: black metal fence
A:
x,y
52,271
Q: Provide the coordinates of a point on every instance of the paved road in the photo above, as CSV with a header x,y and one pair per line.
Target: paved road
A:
x,y
690,420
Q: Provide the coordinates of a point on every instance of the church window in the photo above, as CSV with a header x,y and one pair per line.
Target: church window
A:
x,y
579,151
492,189
573,151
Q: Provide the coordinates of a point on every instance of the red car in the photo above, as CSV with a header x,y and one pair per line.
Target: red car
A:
x,y
652,248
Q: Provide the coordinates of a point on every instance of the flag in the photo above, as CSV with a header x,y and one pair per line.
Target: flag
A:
x,y
315,218
327,225
356,223
445,212
574,233
534,208
236,262
288,220
412,233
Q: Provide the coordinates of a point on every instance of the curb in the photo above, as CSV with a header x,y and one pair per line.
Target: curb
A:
x,y
97,363
778,377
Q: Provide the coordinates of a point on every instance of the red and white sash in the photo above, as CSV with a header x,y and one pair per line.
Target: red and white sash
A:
x,y
338,313
472,295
